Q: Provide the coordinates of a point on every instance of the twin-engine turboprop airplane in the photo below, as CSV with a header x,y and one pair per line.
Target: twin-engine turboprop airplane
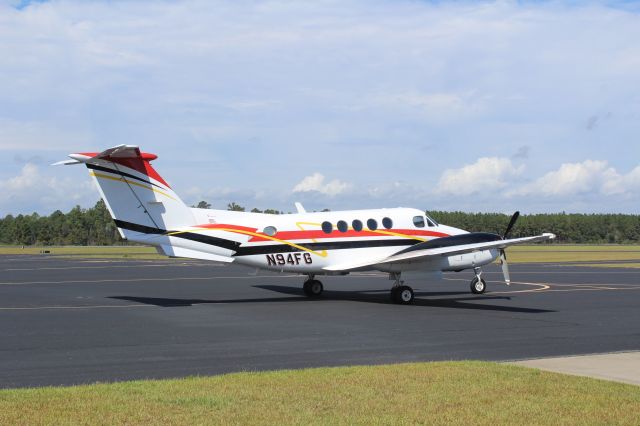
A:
x,y
146,210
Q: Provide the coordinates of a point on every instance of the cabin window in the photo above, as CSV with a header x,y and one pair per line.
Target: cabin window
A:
x,y
372,224
387,223
356,225
342,226
418,221
327,227
270,231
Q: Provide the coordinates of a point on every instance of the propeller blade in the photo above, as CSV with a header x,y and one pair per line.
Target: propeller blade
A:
x,y
512,222
505,267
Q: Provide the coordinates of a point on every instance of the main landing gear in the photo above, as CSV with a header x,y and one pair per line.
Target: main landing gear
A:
x,y
312,287
478,284
400,293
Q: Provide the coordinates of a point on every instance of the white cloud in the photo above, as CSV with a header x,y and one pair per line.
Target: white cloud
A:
x,y
586,178
486,174
49,193
316,183
241,82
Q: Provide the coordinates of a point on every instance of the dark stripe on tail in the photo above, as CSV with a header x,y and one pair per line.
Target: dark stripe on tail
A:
x,y
219,242
118,172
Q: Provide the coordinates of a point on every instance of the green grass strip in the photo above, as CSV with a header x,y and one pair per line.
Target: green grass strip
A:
x,y
470,392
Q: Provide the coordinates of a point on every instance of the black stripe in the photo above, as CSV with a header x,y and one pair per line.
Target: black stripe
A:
x,y
118,172
454,240
214,241
329,245
268,249
138,228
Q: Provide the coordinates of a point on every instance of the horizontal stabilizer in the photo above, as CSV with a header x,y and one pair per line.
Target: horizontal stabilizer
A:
x,y
111,154
172,251
66,163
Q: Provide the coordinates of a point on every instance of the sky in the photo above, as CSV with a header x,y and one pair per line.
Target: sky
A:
x,y
339,104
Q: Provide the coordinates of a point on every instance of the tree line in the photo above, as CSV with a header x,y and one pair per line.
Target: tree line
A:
x,y
572,228
94,226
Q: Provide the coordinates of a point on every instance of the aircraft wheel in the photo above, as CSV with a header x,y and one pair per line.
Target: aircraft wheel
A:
x,y
402,295
313,288
478,286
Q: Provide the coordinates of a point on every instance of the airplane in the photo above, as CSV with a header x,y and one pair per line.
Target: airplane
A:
x,y
395,241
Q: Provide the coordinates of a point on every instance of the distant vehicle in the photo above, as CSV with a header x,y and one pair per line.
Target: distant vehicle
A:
x,y
146,210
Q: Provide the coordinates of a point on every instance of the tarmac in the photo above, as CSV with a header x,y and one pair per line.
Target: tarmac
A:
x,y
70,321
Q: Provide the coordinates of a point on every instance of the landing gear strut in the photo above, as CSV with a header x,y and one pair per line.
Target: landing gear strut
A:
x,y
478,284
400,293
312,287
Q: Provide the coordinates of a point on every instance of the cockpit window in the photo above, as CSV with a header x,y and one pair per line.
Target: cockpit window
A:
x,y
418,221
270,231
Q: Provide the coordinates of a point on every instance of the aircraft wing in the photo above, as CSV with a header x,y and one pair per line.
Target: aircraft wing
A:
x,y
417,255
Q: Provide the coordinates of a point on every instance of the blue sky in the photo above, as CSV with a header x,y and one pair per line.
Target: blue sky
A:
x,y
490,106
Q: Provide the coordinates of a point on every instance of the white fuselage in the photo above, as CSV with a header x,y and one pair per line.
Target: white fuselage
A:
x,y
298,243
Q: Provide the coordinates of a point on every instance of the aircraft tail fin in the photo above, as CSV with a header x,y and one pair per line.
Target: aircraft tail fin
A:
x,y
138,198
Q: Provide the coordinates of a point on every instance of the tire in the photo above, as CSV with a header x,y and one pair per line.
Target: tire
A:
x,y
402,295
313,288
478,286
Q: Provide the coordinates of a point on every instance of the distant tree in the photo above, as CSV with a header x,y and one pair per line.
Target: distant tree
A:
x,y
235,207
94,226
256,210
203,205
325,210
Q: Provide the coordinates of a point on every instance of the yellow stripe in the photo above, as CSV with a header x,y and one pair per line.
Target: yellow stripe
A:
x,y
254,234
322,253
124,180
299,225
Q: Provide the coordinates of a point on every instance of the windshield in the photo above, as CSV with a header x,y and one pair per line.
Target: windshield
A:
x,y
430,219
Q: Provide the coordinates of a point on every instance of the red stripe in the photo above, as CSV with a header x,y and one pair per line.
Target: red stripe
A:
x,y
319,234
139,164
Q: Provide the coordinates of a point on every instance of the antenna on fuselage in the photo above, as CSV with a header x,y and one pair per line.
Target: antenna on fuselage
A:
x,y
300,207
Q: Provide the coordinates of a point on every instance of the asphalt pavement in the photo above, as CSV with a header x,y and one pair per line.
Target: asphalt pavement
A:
x,y
69,321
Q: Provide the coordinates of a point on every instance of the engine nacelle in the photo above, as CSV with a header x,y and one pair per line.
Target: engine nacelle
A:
x,y
469,260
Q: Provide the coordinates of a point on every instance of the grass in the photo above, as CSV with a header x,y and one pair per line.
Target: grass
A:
x,y
469,392
132,252
549,253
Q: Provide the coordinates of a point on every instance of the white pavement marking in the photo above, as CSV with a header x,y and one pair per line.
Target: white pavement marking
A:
x,y
104,267
618,366
565,287
126,280
38,308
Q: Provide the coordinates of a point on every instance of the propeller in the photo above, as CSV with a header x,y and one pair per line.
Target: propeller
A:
x,y
503,255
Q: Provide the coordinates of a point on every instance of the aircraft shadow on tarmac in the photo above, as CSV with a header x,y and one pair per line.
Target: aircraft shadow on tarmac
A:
x,y
375,296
